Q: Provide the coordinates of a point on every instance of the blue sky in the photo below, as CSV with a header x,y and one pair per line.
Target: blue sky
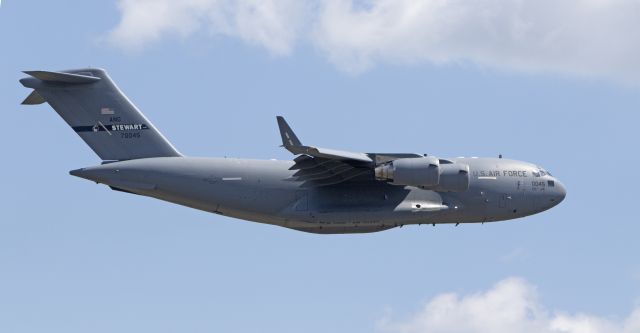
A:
x,y
212,76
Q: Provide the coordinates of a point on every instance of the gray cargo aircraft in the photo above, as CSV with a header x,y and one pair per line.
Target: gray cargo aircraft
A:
x,y
321,191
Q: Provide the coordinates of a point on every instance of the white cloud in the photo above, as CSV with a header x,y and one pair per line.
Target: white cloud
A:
x,y
592,38
511,306
272,24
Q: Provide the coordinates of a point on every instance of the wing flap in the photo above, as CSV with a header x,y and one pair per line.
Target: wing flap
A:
x,y
318,171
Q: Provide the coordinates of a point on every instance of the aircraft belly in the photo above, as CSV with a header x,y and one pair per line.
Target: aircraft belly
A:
x,y
355,209
227,197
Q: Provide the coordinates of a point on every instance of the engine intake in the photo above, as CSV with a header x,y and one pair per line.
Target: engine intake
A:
x,y
425,172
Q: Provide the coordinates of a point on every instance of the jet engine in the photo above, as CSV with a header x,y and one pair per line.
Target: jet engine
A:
x,y
426,172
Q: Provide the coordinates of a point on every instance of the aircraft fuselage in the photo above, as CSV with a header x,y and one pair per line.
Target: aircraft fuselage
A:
x,y
265,191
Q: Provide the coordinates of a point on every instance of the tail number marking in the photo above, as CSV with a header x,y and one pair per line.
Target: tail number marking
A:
x,y
130,135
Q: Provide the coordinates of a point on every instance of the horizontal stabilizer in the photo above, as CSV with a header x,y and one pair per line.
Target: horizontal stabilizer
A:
x,y
62,77
33,99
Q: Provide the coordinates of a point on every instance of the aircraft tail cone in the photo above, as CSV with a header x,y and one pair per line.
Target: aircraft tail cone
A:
x,y
92,174
77,172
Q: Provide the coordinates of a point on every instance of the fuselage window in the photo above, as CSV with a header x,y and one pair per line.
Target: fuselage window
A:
x,y
551,183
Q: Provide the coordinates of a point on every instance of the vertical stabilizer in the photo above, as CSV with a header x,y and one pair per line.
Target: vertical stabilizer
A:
x,y
90,102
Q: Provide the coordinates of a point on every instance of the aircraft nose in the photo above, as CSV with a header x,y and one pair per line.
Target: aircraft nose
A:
x,y
561,191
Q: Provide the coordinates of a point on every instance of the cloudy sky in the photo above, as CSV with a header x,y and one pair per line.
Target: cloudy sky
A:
x,y
557,84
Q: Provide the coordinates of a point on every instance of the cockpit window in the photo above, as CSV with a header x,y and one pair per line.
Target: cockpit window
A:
x,y
541,172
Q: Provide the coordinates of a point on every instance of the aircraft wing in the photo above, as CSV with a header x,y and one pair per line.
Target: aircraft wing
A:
x,y
319,171
322,166
331,154
291,142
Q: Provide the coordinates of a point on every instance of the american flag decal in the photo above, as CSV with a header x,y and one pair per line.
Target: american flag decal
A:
x,y
107,111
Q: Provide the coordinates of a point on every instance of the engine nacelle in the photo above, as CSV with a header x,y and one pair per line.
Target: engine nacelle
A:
x,y
420,171
425,172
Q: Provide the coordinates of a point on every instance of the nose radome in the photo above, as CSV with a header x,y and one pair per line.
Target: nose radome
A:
x,y
560,190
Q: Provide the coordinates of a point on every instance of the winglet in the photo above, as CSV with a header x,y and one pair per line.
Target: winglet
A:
x,y
289,139
33,99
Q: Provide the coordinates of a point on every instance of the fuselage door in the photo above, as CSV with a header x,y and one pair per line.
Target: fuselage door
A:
x,y
523,185
503,201
528,196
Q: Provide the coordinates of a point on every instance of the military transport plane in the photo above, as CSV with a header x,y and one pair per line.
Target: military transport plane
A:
x,y
321,191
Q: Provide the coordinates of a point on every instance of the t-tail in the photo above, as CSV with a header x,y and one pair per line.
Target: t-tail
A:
x,y
90,102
